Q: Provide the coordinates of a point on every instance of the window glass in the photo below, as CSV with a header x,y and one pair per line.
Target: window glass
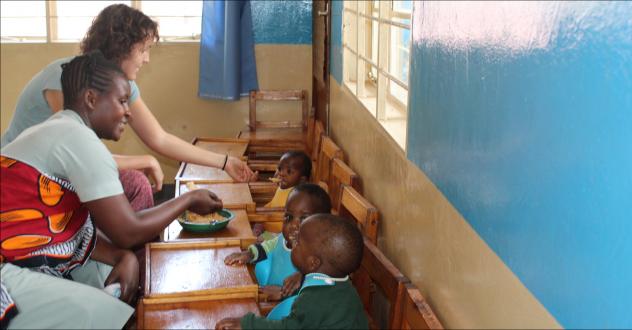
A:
x,y
22,20
176,19
75,17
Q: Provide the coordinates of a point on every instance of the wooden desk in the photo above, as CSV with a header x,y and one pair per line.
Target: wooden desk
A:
x,y
235,196
238,228
192,172
192,315
194,271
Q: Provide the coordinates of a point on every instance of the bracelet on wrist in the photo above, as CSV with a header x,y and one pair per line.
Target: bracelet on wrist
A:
x,y
225,161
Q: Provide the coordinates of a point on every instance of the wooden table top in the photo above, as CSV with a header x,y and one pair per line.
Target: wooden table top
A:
x,y
194,268
193,172
233,195
238,228
193,315
232,147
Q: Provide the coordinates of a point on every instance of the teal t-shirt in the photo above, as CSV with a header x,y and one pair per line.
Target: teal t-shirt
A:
x,y
64,147
32,109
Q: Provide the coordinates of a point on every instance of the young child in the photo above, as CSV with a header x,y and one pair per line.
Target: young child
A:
x,y
58,185
294,168
274,264
327,250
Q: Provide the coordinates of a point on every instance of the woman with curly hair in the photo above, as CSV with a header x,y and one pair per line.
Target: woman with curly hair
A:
x,y
125,36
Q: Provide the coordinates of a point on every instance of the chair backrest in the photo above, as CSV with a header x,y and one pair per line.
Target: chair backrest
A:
x,y
341,174
328,151
354,206
416,312
280,95
376,271
315,139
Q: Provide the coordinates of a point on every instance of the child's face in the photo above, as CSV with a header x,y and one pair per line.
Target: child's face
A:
x,y
110,111
303,256
298,207
289,172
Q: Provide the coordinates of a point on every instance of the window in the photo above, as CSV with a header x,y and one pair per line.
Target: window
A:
x,y
177,20
68,21
23,21
376,52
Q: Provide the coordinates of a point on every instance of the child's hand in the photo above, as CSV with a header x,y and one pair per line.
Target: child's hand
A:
x,y
125,272
238,258
291,284
270,292
228,323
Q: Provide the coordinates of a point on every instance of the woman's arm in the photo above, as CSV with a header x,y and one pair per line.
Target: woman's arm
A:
x,y
124,267
154,136
146,163
55,99
116,219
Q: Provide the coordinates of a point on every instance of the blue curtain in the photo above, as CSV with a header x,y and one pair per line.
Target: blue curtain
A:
x,y
227,55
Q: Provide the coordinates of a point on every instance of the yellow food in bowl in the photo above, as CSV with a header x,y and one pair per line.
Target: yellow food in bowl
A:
x,y
196,218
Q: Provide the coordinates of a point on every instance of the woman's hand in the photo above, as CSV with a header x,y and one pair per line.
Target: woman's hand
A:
x,y
125,272
203,201
291,284
228,324
154,173
239,170
238,258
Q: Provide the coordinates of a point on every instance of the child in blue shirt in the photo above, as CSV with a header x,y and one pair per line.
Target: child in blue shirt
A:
x,y
276,275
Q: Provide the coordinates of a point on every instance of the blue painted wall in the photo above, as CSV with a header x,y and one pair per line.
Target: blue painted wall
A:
x,y
521,114
336,40
282,22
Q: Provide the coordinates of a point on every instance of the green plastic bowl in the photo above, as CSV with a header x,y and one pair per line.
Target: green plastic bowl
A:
x,y
206,227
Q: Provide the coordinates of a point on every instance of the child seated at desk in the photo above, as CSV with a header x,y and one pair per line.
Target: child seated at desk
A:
x,y
275,273
327,250
294,168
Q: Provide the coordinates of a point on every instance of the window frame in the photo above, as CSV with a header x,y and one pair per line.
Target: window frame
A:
x,y
358,69
52,33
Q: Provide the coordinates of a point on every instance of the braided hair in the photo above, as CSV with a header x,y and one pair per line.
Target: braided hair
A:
x,y
91,70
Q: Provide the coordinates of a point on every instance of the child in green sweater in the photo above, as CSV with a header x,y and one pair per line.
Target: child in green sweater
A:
x,y
327,250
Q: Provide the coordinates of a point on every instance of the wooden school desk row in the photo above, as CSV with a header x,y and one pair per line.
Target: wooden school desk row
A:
x,y
187,284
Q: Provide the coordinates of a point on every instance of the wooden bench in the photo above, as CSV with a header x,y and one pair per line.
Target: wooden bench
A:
x,y
341,174
416,313
328,151
355,207
376,272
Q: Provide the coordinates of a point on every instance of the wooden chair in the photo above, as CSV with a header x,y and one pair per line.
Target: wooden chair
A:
x,y
377,272
416,313
328,151
283,95
354,206
316,138
341,174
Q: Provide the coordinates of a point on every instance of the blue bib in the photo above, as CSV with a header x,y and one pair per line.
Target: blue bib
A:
x,y
277,266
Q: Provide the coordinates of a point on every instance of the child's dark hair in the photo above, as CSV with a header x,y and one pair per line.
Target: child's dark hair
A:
x,y
306,162
116,29
91,70
318,195
341,244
